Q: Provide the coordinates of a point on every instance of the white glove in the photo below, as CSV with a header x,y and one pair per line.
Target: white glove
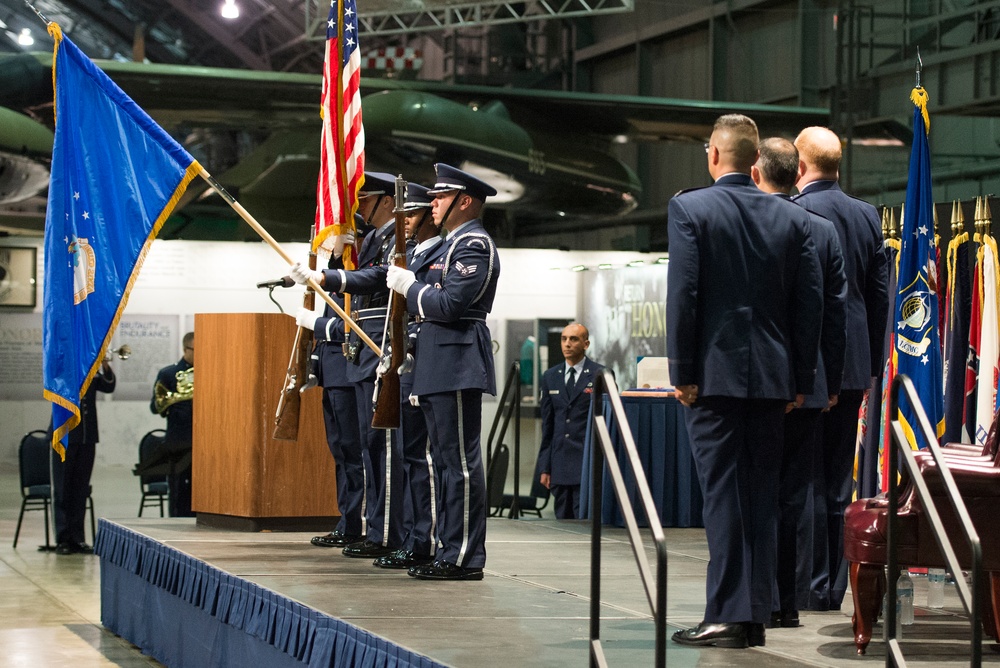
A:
x,y
302,273
306,319
399,279
340,241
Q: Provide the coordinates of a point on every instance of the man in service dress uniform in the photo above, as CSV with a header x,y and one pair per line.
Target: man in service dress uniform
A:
x,y
370,301
866,267
744,301
340,407
565,400
776,172
451,296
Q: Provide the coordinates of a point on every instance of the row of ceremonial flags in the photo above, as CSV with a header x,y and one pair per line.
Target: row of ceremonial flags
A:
x,y
943,331
116,176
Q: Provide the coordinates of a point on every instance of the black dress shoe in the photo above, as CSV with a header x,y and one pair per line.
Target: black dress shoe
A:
x,y
445,570
755,634
334,539
786,619
719,635
367,549
74,548
402,559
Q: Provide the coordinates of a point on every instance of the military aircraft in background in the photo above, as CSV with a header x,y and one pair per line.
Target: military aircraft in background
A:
x,y
548,153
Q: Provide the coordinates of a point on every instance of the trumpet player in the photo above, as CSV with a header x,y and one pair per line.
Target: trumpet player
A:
x,y
172,398
71,478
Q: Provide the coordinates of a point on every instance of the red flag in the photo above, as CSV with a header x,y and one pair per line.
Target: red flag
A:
x,y
342,154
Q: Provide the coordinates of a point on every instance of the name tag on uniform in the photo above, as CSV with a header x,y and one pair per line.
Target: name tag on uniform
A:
x,y
553,391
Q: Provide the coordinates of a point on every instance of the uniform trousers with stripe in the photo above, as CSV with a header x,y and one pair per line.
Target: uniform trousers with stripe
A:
x,y
384,512
418,471
736,445
71,487
340,411
454,422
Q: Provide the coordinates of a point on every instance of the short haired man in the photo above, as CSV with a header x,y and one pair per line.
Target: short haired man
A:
x,y
743,313
776,172
566,390
866,268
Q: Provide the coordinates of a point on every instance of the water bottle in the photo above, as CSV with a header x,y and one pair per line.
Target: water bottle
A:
x,y
904,598
935,587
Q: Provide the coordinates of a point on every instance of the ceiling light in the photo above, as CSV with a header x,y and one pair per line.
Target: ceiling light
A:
x,y
230,10
579,267
25,38
637,263
604,265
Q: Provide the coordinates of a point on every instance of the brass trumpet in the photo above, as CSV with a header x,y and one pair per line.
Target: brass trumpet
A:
x,y
124,352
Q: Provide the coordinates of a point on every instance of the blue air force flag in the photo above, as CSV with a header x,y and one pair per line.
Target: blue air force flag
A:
x,y
116,176
918,351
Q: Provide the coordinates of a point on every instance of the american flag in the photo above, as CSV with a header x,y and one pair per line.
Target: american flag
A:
x,y
342,154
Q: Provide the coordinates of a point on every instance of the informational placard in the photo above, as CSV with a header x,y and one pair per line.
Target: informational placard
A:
x,y
153,341
626,312
21,357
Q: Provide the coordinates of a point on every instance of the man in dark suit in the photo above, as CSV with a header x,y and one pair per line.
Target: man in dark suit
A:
x,y
776,172
452,297
71,478
565,397
744,302
865,266
369,308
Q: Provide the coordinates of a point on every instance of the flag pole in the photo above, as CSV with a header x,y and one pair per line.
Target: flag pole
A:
x,y
245,215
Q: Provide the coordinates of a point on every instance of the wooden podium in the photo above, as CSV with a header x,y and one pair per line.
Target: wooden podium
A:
x,y
242,478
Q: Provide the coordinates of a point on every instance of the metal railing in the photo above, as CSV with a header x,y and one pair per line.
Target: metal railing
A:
x,y
510,405
968,594
601,449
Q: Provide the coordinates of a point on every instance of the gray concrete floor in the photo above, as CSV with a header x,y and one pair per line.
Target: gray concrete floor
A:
x,y
532,609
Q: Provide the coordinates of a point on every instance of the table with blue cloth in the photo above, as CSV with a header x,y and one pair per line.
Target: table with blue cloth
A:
x,y
657,424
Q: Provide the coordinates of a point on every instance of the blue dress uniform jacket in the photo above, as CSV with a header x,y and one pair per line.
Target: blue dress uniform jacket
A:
x,y
830,364
866,268
564,422
452,300
744,305
751,256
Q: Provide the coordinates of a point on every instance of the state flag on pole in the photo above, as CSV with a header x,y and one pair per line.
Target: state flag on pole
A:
x,y
989,345
115,178
917,342
342,149
956,332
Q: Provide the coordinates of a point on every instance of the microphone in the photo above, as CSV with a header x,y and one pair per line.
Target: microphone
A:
x,y
283,282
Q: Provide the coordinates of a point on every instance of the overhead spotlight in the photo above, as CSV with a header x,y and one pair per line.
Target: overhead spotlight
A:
x,y
25,38
230,10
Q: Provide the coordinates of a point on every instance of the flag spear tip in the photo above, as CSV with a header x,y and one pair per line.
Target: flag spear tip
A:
x,y
919,67
37,13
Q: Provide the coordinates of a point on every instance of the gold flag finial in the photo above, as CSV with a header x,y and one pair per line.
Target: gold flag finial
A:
x,y
885,222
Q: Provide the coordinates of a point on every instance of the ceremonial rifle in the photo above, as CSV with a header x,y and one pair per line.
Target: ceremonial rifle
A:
x,y
387,402
297,377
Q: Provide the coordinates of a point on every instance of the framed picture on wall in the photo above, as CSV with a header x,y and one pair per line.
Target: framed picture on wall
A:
x,y
17,276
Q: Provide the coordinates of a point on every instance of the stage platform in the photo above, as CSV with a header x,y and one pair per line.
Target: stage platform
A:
x,y
193,595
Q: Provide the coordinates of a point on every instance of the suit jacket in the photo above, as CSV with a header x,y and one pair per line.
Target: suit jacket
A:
x,y
564,422
454,292
830,364
859,229
744,293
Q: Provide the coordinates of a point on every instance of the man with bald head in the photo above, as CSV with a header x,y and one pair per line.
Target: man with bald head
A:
x,y
744,304
865,266
776,171
565,401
